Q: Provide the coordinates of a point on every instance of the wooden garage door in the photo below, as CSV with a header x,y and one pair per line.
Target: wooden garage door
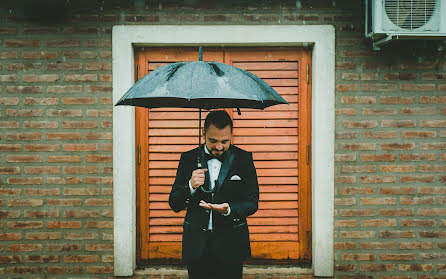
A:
x,y
278,136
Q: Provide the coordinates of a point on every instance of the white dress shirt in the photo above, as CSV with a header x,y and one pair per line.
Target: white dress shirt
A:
x,y
214,166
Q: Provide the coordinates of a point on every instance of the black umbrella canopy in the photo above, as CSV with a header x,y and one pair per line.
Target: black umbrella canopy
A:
x,y
206,85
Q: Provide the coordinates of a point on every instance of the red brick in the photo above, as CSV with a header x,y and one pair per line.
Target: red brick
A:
x,y
22,66
379,87
357,212
63,136
345,65
23,158
41,101
431,212
345,157
73,66
24,136
346,135
80,236
40,78
432,190
63,224
64,113
81,78
380,135
8,54
359,146
6,214
397,191
64,180
25,180
10,147
398,123
433,146
377,179
41,192
39,54
377,245
433,256
433,123
107,147
63,247
417,87
358,100
81,30
97,66
366,111
396,100
99,224
400,76
10,236
378,223
99,43
99,247
415,245
64,159
9,170
79,124
24,270
80,169
24,247
397,234
417,111
8,30
63,43
80,54
419,134
366,124
100,269
24,89
106,101
377,267
81,259
98,158
417,178
64,89
378,157
106,78
346,111
81,191
396,212
10,259
41,124
9,191
9,101
80,147
433,234
432,99
9,78
96,136
397,168
80,213
79,101
63,270
40,30
26,202
346,87
98,202
358,257
377,201
42,259
417,157
357,234
417,223
412,200
44,236
344,245
357,54
42,170
397,146
345,179
22,113
41,147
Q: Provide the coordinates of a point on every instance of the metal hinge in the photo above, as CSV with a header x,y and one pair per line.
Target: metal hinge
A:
x,y
308,154
308,73
137,72
139,154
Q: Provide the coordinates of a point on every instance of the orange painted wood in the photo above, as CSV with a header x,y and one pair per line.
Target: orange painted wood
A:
x,y
274,135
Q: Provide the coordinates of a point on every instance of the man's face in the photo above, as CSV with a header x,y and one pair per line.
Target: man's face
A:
x,y
218,140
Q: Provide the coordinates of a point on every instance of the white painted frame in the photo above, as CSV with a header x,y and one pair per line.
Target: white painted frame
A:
x,y
321,37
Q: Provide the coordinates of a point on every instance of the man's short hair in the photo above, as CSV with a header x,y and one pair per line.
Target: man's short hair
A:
x,y
220,119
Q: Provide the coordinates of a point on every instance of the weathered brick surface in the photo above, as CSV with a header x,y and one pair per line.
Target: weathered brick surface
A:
x,y
56,138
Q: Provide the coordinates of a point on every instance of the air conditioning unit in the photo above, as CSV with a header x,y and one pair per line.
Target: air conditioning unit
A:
x,y
387,20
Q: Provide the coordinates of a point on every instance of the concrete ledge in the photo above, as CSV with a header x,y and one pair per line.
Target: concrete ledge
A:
x,y
181,271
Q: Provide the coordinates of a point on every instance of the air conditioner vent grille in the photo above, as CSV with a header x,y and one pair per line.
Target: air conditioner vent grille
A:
x,y
409,14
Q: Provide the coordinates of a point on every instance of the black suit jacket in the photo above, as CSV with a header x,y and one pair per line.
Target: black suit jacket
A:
x,y
242,196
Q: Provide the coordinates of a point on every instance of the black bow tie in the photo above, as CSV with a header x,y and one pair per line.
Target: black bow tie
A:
x,y
208,157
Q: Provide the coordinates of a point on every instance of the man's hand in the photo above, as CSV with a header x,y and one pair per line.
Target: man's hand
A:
x,y
197,178
223,208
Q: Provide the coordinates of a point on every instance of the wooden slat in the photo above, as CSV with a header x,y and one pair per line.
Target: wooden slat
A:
x,y
262,205
265,132
249,66
274,237
283,74
276,221
165,189
274,250
291,123
255,139
266,115
259,164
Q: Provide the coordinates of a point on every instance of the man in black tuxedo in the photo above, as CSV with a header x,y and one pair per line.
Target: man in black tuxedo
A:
x,y
218,198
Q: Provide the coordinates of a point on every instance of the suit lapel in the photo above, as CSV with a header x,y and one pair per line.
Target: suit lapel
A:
x,y
225,167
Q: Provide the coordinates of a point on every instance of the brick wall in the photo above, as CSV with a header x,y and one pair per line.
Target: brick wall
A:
x,y
56,137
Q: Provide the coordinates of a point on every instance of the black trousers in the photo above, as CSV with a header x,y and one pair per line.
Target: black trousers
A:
x,y
210,266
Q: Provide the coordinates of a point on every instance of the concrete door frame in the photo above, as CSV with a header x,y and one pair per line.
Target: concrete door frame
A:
x,y
321,37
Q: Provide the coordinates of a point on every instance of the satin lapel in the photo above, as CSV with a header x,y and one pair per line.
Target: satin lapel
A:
x,y
225,167
205,166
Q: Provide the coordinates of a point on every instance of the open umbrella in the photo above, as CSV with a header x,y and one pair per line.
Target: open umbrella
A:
x,y
202,85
